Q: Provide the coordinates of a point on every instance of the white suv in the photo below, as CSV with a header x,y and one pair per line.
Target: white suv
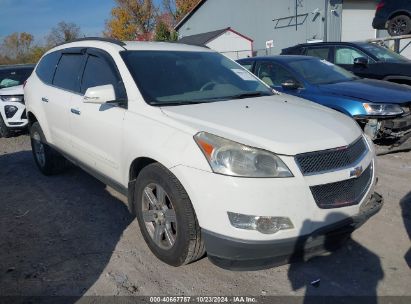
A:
x,y
210,158
12,110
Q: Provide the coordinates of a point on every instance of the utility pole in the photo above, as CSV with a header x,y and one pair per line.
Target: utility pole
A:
x,y
296,15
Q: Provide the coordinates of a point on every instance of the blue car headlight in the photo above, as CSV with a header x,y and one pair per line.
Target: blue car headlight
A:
x,y
382,109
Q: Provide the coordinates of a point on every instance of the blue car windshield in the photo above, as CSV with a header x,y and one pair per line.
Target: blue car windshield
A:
x,y
185,77
317,72
383,54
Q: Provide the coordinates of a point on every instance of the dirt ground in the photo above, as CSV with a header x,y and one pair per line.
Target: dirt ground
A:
x,y
71,235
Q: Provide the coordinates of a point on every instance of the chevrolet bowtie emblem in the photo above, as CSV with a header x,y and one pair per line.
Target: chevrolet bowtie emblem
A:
x,y
356,172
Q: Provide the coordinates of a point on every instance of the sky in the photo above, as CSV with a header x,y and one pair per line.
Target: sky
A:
x,y
37,17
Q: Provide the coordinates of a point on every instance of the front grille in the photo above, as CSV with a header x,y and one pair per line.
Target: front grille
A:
x,y
327,160
342,194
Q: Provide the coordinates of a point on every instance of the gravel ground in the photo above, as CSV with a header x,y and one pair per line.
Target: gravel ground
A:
x,y
71,235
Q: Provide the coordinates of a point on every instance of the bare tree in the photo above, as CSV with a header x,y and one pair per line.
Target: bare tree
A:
x,y
17,45
179,8
63,32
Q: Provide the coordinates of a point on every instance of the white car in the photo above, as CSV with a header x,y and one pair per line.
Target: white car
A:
x,y
211,159
12,109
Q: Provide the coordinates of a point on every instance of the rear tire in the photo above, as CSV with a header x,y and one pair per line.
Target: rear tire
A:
x,y
47,159
4,130
166,217
399,25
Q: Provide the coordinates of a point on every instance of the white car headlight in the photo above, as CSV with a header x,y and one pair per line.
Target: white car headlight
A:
x,y
230,158
382,109
12,98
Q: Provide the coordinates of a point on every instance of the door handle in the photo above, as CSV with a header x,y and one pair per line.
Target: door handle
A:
x,y
44,99
75,111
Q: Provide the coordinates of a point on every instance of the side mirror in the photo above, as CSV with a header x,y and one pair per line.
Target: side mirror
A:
x,y
361,61
100,95
290,84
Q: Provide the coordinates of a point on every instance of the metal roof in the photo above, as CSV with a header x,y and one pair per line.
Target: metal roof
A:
x,y
203,38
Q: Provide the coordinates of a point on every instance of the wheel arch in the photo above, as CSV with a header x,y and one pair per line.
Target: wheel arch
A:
x,y
139,164
135,168
32,118
399,13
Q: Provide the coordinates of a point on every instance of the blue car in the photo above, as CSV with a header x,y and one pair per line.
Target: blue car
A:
x,y
382,109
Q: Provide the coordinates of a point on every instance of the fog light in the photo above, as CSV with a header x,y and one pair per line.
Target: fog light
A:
x,y
263,224
10,111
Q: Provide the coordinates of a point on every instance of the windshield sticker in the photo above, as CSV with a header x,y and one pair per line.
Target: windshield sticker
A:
x,y
244,75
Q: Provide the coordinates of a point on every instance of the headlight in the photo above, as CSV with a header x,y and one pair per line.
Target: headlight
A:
x,y
234,159
12,98
382,109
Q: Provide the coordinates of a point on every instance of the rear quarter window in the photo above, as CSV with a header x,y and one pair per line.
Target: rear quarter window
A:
x,y
47,66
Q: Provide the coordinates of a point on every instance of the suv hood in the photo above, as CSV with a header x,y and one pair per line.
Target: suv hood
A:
x,y
282,124
370,90
16,90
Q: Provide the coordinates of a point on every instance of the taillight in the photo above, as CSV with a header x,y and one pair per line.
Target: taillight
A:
x,y
24,84
380,5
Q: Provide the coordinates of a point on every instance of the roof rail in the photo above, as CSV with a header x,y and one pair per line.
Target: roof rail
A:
x,y
110,40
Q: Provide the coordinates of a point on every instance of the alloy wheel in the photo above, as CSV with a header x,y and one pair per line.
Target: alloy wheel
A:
x,y
159,216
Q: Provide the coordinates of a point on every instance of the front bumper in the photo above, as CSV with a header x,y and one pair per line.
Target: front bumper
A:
x,y
237,254
386,128
19,120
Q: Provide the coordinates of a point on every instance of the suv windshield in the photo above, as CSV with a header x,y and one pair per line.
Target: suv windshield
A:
x,y
180,77
383,54
14,77
316,71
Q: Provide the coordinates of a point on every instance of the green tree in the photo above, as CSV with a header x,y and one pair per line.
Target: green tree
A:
x,y
163,32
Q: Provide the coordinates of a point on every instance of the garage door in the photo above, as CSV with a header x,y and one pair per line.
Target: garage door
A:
x,y
357,19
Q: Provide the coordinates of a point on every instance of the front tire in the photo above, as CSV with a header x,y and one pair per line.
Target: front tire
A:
x,y
4,130
47,159
166,217
399,25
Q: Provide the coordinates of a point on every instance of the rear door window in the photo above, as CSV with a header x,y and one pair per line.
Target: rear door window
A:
x,y
68,72
319,52
273,74
248,65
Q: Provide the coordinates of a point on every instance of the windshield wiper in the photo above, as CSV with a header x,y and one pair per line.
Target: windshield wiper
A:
x,y
178,103
249,95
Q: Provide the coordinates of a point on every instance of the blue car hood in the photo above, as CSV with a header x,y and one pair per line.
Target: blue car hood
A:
x,y
370,90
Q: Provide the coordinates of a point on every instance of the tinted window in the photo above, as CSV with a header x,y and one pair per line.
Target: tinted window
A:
x,y
68,72
344,55
47,66
99,72
247,64
178,77
383,54
14,76
273,74
321,53
317,71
